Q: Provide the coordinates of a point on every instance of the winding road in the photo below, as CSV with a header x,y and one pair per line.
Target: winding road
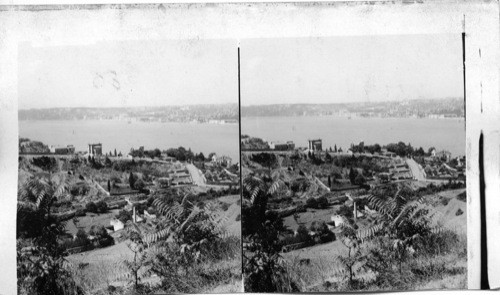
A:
x,y
196,175
417,171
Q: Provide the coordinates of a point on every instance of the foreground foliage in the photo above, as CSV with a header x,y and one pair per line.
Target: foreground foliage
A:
x,y
40,258
178,247
264,269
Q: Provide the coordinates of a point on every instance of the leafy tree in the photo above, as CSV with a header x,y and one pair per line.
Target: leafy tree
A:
x,y
328,158
91,207
322,229
352,175
267,160
312,203
420,152
102,236
139,184
107,162
136,264
183,234
131,180
82,239
46,163
355,261
303,234
404,220
101,207
345,211
403,224
360,179
322,202
40,257
124,216
201,157
263,267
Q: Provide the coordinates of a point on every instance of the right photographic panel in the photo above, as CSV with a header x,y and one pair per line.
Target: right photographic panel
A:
x,y
353,163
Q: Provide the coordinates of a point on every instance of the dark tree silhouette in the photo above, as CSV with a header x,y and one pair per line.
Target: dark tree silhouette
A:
x,y
131,180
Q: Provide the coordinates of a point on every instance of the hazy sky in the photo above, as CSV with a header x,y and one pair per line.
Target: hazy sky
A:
x,y
350,69
291,70
111,74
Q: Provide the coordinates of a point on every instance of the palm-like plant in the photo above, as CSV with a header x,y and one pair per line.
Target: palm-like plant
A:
x,y
355,260
180,237
40,257
403,220
262,264
182,220
39,194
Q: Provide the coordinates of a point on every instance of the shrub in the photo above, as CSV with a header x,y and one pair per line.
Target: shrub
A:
x,y
345,211
459,212
46,163
322,202
359,180
91,207
462,197
103,238
124,216
139,184
311,203
82,240
303,235
79,189
224,206
101,207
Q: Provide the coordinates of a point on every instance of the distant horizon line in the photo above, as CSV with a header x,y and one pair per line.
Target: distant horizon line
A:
x,y
354,102
231,103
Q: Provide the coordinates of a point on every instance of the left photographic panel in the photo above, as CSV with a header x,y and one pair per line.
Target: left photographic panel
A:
x,y
129,167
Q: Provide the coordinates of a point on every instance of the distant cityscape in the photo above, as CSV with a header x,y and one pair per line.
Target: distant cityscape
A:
x,y
418,108
218,114
228,113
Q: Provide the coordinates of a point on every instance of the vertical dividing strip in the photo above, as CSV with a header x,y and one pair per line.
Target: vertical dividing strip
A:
x,y
482,210
463,62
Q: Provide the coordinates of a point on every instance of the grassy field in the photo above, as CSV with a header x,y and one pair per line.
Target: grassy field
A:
x,y
308,217
233,226
90,219
99,268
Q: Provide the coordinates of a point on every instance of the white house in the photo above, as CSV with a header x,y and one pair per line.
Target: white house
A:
x,y
116,224
222,160
337,220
